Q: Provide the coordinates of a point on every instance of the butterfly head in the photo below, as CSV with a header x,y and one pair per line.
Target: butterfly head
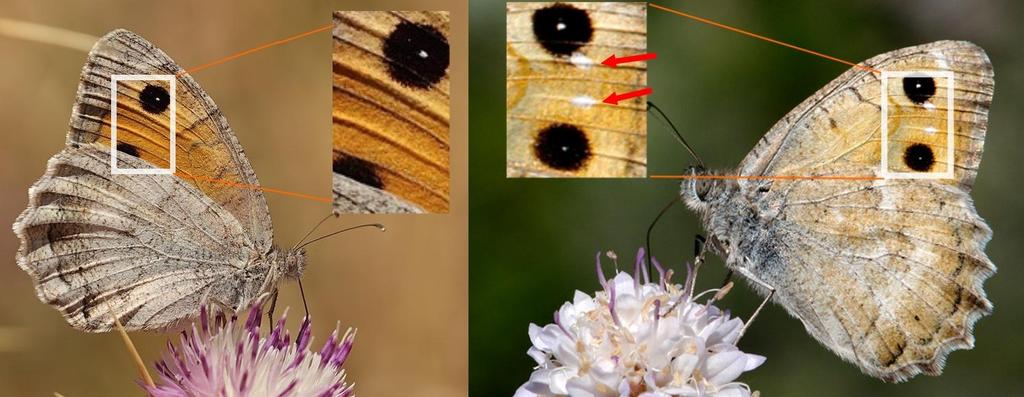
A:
x,y
698,190
290,263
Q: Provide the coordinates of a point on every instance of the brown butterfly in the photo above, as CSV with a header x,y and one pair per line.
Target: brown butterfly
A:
x,y
885,271
147,250
391,111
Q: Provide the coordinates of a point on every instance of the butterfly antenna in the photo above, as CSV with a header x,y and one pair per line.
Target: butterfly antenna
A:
x,y
311,231
302,293
650,229
376,225
675,131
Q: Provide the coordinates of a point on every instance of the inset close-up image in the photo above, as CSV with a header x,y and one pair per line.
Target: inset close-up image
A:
x,y
574,96
390,112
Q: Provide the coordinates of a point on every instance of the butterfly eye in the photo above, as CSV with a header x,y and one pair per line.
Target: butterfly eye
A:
x,y
919,89
154,99
562,147
919,157
358,169
701,188
417,55
562,28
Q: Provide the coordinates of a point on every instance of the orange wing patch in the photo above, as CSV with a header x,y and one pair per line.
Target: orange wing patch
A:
x,y
391,103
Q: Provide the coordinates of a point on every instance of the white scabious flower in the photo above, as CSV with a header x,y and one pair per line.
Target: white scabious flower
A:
x,y
638,338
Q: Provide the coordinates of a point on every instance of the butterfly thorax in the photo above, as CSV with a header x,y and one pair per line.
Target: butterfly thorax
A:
x,y
288,263
724,210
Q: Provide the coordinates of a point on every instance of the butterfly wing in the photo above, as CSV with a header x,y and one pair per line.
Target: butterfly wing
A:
x,y
353,196
391,111
887,273
208,153
840,124
557,125
145,249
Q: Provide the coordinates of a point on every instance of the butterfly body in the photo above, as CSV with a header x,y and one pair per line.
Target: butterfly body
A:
x,y
147,249
885,272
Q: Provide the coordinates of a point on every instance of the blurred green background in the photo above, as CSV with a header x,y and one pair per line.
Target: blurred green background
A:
x,y
532,242
405,289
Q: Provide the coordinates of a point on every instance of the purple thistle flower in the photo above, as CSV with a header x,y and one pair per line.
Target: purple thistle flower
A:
x,y
225,358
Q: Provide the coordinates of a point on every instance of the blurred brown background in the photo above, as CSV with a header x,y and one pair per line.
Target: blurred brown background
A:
x,y
404,289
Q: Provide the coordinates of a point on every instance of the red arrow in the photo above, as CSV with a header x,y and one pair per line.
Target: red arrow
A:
x,y
614,98
614,62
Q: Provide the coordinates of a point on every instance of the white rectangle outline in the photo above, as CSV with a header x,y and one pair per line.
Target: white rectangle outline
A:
x,y
948,174
171,79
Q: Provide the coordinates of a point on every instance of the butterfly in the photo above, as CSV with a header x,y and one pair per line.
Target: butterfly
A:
x,y
147,249
557,124
391,111
886,272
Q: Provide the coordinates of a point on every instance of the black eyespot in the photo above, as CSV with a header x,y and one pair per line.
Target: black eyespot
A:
x,y
155,99
417,55
919,157
919,89
562,147
127,149
360,170
562,28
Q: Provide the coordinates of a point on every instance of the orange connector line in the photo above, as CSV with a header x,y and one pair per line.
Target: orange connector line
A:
x,y
757,36
255,49
255,187
773,177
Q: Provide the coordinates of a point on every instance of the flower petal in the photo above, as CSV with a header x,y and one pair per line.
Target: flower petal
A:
x,y
724,367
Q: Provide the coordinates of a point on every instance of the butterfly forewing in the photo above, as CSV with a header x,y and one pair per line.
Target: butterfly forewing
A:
x,y
841,123
208,154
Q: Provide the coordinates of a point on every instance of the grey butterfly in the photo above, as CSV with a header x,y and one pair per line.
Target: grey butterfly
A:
x,y
886,273
147,249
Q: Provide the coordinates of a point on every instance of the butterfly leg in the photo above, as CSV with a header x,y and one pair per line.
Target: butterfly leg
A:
x,y
699,252
771,292
273,306
728,278
216,305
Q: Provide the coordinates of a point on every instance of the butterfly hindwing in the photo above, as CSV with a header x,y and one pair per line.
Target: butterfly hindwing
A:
x,y
146,249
